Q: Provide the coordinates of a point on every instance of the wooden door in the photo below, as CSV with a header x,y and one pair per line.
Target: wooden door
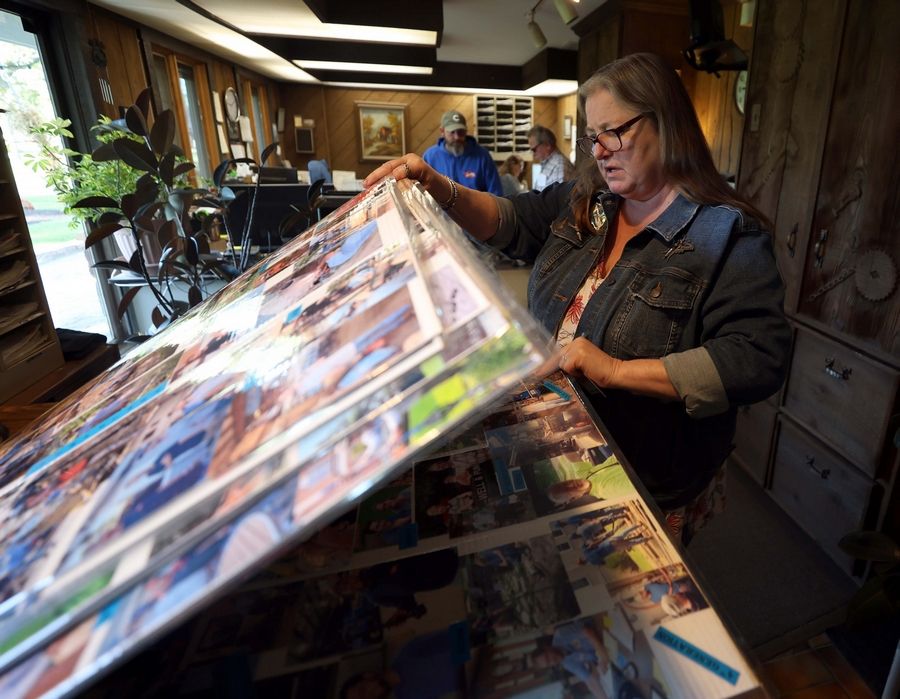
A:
x,y
850,275
792,73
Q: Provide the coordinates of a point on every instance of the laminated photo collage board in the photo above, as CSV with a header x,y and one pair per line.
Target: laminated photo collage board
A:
x,y
245,425
515,560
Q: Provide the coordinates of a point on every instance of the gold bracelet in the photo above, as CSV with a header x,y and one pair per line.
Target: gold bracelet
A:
x,y
454,195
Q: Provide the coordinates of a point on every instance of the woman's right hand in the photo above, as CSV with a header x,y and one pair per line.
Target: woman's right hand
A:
x,y
412,167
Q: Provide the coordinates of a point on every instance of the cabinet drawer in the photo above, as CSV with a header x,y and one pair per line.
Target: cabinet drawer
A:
x,y
841,395
819,490
753,437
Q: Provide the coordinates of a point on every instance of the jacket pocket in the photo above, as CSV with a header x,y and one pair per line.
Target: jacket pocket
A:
x,y
652,319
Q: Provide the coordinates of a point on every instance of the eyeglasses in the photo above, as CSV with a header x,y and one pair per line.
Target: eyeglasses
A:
x,y
610,139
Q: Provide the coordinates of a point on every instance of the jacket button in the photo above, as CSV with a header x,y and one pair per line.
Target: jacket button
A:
x,y
657,291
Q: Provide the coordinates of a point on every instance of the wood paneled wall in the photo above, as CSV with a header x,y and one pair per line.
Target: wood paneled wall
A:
x,y
337,133
663,27
125,70
713,98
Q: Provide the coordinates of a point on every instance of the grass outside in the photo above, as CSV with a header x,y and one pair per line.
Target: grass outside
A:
x,y
53,232
43,202
47,224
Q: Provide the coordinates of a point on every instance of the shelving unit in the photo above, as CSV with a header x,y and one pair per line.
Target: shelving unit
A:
x,y
502,125
29,347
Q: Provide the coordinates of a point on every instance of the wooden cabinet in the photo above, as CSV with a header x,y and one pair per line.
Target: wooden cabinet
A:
x,y
823,493
753,439
818,157
503,123
29,347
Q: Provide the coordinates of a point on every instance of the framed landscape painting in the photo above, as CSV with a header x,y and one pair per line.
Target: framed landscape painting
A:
x,y
382,130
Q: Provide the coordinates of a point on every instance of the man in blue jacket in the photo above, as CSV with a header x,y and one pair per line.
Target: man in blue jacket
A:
x,y
459,157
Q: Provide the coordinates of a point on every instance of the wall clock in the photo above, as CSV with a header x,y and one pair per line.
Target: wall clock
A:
x,y
232,104
740,91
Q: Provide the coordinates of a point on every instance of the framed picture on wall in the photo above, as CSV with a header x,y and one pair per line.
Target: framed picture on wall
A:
x,y
303,137
382,130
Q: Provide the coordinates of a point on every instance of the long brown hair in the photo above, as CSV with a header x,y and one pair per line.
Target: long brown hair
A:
x,y
645,83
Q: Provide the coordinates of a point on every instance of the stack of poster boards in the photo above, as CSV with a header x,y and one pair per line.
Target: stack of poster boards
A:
x,y
242,428
517,559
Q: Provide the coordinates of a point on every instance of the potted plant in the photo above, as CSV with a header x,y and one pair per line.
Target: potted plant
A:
x,y
137,182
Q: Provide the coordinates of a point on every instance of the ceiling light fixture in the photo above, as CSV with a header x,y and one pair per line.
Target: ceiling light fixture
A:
x,y
537,36
566,11
365,67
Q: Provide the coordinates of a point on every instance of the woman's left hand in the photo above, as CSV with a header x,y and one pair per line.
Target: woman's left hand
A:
x,y
581,357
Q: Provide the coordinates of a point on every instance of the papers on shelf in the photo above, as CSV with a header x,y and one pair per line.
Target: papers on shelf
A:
x,y
21,344
9,240
11,275
15,314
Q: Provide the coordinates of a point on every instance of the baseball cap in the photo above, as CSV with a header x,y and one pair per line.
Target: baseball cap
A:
x,y
453,121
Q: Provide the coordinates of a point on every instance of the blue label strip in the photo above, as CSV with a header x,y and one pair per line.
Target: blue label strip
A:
x,y
557,390
689,650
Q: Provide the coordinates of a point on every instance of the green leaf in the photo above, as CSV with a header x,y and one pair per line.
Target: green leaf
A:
x,y
157,316
129,206
143,102
191,251
182,168
195,296
98,233
108,217
135,262
127,298
104,153
137,155
166,169
96,202
149,209
136,121
167,232
162,135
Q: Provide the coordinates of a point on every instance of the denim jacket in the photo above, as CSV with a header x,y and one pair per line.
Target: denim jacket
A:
x,y
697,288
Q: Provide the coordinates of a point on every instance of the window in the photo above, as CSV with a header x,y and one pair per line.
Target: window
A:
x,y
194,120
180,83
257,108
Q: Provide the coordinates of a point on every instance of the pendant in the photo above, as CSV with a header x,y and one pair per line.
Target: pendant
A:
x,y
598,217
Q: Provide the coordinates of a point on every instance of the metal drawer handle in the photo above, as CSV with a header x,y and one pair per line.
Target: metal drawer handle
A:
x,y
823,472
843,374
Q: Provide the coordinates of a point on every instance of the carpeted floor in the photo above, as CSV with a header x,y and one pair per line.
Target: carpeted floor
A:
x,y
769,580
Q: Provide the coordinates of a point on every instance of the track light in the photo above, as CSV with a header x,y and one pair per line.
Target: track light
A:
x,y
566,11
537,36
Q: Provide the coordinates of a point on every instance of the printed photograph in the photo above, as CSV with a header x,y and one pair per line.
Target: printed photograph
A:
x,y
385,517
516,588
610,546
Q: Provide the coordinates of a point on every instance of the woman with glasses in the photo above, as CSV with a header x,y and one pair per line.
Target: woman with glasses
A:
x,y
656,278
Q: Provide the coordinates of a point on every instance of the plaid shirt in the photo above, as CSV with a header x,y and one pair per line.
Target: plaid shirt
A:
x,y
556,168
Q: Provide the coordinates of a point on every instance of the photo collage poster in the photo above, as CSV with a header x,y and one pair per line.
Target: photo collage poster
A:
x,y
279,401
485,570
